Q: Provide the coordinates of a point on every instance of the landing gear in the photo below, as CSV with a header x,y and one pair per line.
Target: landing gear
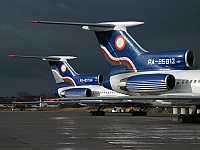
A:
x,y
98,112
181,118
139,113
190,118
197,118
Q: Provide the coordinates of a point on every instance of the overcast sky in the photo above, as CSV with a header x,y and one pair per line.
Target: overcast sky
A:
x,y
169,25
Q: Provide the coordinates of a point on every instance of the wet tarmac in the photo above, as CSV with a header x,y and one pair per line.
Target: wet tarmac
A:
x,y
80,131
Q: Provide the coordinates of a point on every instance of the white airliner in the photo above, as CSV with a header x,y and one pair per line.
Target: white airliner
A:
x,y
145,75
73,85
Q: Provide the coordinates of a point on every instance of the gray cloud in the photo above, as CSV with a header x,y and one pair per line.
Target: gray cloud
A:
x,y
171,24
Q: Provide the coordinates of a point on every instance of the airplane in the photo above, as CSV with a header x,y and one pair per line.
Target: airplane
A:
x,y
145,75
73,85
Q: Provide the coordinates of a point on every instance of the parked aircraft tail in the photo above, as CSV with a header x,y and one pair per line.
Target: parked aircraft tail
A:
x,y
124,54
69,82
65,74
62,71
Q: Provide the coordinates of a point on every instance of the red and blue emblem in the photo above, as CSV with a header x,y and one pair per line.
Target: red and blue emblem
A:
x,y
120,42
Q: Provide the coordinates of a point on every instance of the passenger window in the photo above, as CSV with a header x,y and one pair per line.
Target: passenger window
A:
x,y
199,81
195,81
190,81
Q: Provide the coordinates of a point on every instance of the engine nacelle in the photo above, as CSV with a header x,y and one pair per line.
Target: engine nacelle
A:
x,y
177,59
91,79
77,92
149,83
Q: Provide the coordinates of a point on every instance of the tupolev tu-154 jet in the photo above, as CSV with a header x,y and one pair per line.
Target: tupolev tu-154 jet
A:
x,y
73,86
145,75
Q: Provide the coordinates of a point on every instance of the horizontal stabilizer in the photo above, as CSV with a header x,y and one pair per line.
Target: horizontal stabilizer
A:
x,y
48,58
104,26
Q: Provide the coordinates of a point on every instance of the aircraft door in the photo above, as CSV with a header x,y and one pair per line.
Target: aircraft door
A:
x,y
178,86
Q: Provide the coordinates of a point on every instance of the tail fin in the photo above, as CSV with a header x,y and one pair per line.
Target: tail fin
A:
x,y
62,71
119,48
124,54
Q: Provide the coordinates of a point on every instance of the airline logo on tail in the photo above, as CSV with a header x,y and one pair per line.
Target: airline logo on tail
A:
x,y
113,61
64,74
120,42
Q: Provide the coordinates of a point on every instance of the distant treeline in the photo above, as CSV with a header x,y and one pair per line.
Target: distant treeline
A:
x,y
24,97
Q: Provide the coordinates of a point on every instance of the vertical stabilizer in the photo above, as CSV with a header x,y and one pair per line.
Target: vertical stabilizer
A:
x,y
120,49
62,71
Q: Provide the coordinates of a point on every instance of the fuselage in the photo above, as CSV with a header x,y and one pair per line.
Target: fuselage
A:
x,y
96,91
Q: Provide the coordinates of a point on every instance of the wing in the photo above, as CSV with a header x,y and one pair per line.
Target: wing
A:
x,y
164,100
142,98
